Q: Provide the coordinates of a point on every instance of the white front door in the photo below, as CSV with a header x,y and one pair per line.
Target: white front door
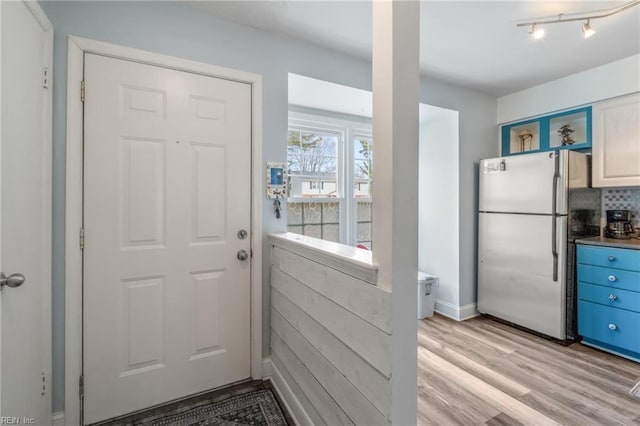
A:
x,y
167,187
25,216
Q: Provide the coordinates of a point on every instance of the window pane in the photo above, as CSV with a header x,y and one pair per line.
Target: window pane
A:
x,y
362,170
318,220
317,165
294,214
362,186
293,151
364,224
313,164
364,211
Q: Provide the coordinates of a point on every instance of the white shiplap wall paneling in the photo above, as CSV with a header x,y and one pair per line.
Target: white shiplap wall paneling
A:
x,y
330,335
363,299
365,339
356,369
328,409
309,409
348,397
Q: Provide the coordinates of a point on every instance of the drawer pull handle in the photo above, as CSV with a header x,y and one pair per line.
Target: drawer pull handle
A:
x,y
612,278
612,258
613,327
613,297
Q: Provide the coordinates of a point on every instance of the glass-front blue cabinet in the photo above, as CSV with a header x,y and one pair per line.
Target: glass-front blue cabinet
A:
x,y
564,130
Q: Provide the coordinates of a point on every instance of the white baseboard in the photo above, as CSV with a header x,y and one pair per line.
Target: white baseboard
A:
x,y
458,313
58,419
291,402
469,311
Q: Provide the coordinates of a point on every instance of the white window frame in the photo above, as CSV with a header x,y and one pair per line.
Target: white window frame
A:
x,y
347,131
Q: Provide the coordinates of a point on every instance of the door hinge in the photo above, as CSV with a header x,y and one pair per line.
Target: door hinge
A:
x,y
44,384
81,387
82,90
45,78
81,238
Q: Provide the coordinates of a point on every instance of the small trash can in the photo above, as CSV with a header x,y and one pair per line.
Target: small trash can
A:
x,y
427,286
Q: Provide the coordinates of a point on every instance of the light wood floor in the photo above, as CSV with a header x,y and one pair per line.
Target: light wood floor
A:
x,y
483,372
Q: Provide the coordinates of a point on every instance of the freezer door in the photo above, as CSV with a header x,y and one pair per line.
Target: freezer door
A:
x,y
524,183
515,271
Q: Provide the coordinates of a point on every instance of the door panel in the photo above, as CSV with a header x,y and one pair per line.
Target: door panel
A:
x,y
515,271
143,192
25,234
167,186
143,326
208,187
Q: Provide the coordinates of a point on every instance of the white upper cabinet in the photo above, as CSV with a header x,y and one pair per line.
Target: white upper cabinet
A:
x,y
616,142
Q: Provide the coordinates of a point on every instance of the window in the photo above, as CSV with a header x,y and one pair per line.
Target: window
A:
x,y
312,156
362,160
330,179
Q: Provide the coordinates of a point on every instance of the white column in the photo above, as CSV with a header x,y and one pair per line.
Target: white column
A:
x,y
396,79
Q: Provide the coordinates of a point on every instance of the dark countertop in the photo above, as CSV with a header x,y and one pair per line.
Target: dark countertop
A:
x,y
633,243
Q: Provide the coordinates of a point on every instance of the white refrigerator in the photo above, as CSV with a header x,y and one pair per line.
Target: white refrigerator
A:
x,y
522,237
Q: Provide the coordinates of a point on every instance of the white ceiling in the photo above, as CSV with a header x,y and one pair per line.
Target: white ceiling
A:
x,y
471,43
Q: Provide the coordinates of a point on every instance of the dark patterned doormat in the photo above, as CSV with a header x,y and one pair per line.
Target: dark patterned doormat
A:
x,y
258,408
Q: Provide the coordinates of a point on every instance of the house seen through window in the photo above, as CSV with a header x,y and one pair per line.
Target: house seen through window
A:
x,y
330,178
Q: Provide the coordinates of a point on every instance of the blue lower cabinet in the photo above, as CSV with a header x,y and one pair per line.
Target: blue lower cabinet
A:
x,y
609,296
609,257
611,328
610,277
609,299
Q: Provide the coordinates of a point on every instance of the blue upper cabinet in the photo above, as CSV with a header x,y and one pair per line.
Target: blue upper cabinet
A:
x,y
564,130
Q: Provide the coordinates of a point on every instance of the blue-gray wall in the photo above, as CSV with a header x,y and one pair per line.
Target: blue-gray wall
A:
x,y
176,29
478,139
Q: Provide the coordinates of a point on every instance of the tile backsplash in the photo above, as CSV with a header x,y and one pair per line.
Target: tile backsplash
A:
x,y
623,198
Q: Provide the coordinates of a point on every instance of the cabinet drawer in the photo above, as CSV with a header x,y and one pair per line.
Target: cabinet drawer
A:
x,y
611,257
609,296
609,277
613,326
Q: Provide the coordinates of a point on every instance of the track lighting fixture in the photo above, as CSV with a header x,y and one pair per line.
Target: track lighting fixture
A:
x,y
537,31
587,30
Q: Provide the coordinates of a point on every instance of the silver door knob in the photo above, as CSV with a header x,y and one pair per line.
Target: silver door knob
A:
x,y
613,297
613,327
612,278
242,255
13,280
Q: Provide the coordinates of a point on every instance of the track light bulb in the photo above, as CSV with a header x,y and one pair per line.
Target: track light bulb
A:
x,y
536,32
587,29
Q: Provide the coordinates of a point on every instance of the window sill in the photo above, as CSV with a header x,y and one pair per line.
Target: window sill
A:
x,y
350,260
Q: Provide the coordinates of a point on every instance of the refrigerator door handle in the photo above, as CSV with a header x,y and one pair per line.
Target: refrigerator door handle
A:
x,y
554,215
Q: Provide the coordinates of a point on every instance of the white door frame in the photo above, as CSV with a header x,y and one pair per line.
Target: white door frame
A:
x,y
47,135
77,47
